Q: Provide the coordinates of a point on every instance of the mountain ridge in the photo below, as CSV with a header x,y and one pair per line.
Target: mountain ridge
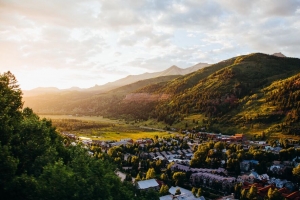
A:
x,y
173,70
254,93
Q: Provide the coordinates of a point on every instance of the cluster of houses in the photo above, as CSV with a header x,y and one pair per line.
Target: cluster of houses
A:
x,y
203,177
154,184
262,191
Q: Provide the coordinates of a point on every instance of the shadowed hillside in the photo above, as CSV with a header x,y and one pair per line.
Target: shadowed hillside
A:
x,y
250,93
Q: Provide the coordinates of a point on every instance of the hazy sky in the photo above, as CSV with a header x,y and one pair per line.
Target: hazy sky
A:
x,y
65,43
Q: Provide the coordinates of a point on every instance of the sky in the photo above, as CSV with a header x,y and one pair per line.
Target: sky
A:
x,y
65,43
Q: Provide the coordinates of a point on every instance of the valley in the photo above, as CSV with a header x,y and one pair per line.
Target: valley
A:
x,y
255,94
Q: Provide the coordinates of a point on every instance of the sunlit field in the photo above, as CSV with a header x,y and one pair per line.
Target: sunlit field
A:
x,y
99,128
89,118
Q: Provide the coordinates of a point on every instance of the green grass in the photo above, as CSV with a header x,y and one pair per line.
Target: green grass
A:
x,y
117,131
112,135
87,118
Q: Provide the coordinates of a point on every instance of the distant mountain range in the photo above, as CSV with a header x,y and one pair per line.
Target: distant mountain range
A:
x,y
173,70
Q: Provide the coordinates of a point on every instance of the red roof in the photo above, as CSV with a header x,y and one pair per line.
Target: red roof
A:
x,y
284,190
293,196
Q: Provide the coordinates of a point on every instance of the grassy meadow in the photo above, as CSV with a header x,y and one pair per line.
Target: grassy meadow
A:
x,y
104,128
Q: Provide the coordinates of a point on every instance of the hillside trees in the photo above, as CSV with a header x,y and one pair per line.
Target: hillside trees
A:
x,y
35,164
10,105
296,172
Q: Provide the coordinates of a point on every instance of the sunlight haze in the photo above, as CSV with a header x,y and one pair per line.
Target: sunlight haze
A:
x,y
65,43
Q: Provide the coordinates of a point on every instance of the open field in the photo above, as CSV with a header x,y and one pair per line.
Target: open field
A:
x,y
113,130
88,118
111,135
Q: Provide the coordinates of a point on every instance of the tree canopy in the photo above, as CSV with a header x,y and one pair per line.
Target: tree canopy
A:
x,y
35,163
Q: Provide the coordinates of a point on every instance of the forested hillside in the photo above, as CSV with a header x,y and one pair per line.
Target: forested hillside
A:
x,y
37,163
255,93
244,90
87,103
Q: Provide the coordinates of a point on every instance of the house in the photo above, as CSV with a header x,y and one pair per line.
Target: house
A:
x,y
126,140
119,143
212,180
185,195
147,184
238,137
277,169
278,182
246,165
229,197
293,196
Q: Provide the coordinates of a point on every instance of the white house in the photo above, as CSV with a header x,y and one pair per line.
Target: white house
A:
x,y
147,184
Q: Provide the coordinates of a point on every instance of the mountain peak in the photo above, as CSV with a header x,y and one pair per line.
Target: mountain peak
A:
x,y
279,54
173,67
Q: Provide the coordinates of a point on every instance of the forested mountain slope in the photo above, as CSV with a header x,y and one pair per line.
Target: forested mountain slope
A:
x,y
225,95
88,103
249,93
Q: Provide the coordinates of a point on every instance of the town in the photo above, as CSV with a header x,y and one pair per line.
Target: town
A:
x,y
202,165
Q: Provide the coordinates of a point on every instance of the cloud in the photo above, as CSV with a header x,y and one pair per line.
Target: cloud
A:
x,y
97,40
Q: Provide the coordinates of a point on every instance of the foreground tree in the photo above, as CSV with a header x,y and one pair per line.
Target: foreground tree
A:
x,y
35,164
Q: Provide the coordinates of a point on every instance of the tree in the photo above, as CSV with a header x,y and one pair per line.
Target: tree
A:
x,y
179,178
164,190
163,177
274,194
10,106
237,190
177,192
243,194
148,195
219,146
138,177
296,171
35,162
199,192
252,193
150,173
194,191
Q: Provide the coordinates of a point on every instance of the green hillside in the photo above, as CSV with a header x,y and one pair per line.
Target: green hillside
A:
x,y
242,94
86,103
255,94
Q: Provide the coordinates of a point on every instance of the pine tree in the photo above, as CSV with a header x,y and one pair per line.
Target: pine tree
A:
x,y
199,192
252,194
194,190
137,178
164,190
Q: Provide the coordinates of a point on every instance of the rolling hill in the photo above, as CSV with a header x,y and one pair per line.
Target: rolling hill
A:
x,y
255,93
86,102
173,70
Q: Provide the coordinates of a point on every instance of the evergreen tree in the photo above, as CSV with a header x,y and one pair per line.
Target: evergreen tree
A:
x,y
164,190
194,191
252,193
199,192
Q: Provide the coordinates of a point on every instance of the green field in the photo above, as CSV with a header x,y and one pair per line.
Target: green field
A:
x,y
113,130
88,118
